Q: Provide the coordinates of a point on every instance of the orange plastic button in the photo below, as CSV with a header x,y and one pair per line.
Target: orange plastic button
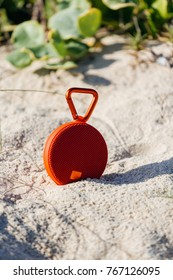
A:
x,y
75,175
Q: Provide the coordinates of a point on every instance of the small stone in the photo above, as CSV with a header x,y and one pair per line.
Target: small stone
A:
x,y
163,61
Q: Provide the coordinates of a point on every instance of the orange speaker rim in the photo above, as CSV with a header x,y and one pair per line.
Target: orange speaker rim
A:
x,y
47,148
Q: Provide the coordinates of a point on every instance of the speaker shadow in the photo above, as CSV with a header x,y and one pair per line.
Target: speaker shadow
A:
x,y
139,174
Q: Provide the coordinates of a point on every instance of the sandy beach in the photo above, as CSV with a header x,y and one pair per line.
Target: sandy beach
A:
x,y
128,212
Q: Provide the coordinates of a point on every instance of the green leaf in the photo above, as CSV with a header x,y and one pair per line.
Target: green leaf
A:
x,y
21,58
57,43
151,25
89,22
61,65
109,16
63,4
65,21
40,51
80,5
162,7
76,49
52,50
28,34
118,4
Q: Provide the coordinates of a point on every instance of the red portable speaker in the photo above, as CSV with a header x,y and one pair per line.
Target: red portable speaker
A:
x,y
75,150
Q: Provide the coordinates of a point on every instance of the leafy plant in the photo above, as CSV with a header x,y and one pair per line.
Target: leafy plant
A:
x,y
167,33
70,22
67,29
21,58
28,34
89,22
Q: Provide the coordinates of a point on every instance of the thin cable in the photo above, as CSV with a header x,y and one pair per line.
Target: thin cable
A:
x,y
33,90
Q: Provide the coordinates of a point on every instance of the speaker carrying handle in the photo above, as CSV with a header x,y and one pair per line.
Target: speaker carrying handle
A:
x,y
72,107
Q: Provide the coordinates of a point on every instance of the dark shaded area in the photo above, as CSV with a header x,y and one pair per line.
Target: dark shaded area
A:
x,y
97,60
42,72
10,246
96,80
139,174
162,248
14,13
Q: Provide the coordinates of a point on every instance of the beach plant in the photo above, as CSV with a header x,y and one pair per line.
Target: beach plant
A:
x,y
64,39
69,24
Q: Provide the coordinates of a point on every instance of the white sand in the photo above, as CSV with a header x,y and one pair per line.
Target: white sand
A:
x,y
128,212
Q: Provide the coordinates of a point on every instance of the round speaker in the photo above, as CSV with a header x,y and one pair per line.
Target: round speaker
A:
x,y
75,150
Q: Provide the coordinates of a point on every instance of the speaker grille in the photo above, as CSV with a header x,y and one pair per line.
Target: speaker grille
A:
x,y
77,151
